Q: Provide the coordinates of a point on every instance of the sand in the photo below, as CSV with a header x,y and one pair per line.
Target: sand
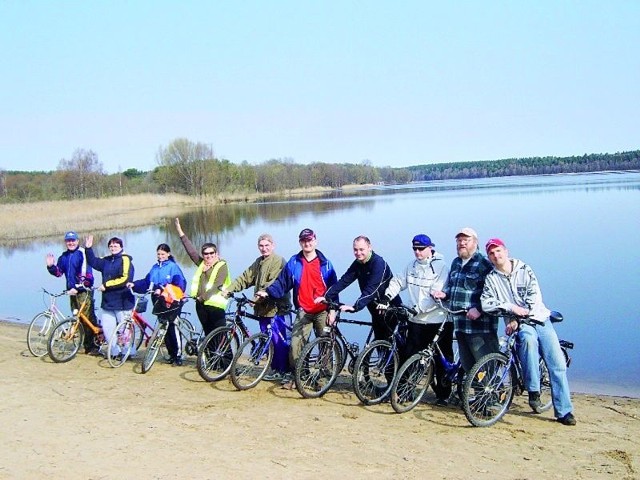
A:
x,y
84,419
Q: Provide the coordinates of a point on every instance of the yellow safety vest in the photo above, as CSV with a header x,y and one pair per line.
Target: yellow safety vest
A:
x,y
216,300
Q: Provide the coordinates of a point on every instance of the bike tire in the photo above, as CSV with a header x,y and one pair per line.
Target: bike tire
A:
x,y
252,360
372,367
216,354
123,339
488,390
65,340
155,342
318,367
411,382
38,333
545,387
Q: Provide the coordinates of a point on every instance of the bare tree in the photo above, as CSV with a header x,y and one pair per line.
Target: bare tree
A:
x,y
81,176
186,161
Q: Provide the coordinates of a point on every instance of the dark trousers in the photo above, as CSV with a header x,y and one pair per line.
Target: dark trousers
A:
x,y
210,317
173,339
383,325
419,336
76,302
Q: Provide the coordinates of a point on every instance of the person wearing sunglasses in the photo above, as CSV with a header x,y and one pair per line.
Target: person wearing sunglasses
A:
x,y
211,277
426,273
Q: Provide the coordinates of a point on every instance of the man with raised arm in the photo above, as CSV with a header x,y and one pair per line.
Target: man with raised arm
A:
x,y
477,334
309,273
512,288
79,280
260,274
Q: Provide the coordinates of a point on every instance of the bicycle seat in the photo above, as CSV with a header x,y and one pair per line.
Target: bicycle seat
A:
x,y
555,317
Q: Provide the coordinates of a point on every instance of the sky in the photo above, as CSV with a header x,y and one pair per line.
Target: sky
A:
x,y
396,83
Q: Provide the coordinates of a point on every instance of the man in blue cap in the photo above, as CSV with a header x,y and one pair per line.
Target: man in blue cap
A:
x,y
426,273
79,277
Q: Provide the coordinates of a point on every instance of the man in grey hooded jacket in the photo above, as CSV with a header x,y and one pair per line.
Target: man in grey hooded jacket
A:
x,y
512,289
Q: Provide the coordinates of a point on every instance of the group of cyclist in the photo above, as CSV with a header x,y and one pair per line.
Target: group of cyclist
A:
x,y
484,288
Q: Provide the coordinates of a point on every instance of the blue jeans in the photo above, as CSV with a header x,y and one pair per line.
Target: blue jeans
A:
x,y
541,340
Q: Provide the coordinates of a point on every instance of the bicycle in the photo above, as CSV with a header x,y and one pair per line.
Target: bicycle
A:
x,y
66,337
191,336
253,358
377,364
496,378
221,344
416,374
41,325
130,332
322,360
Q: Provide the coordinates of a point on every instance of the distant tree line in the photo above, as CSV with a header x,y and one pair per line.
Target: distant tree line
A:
x,y
595,162
191,168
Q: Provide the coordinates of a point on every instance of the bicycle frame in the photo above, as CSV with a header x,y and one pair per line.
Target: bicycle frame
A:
x,y
41,324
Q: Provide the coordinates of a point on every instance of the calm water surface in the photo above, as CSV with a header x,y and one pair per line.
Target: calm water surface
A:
x,y
578,232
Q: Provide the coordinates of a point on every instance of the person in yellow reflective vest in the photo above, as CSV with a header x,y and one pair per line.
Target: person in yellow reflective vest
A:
x,y
211,276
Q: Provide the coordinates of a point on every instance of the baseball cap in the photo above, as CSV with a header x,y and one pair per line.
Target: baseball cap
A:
x,y
306,234
468,232
493,242
422,240
70,236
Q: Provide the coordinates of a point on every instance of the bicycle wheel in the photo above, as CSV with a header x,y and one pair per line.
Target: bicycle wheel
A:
x,y
216,354
317,367
122,341
411,382
155,342
65,340
38,333
251,361
373,373
488,390
545,387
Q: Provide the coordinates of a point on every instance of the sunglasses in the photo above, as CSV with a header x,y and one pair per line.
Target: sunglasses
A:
x,y
208,253
418,249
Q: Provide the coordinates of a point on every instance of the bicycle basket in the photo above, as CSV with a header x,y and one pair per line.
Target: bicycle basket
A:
x,y
141,307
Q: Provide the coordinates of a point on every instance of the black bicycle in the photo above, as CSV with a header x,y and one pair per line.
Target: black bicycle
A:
x,y
322,359
219,347
377,365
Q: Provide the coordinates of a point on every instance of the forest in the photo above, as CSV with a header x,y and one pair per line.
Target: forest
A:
x,y
190,168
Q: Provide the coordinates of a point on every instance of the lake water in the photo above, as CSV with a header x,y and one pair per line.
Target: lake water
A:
x,y
578,232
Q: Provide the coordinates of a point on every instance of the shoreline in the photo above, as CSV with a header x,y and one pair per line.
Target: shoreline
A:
x,y
612,391
175,424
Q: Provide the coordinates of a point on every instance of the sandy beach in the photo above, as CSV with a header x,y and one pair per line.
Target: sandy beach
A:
x,y
83,419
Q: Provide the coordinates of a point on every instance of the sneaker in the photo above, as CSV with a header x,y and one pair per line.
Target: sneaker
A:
x,y
171,360
286,378
441,402
568,419
178,362
274,376
288,385
534,402
92,352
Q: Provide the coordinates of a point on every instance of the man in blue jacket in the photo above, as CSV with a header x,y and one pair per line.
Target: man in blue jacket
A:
x,y
309,273
79,278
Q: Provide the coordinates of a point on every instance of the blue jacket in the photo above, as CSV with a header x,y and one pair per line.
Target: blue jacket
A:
x,y
72,264
117,271
290,275
161,274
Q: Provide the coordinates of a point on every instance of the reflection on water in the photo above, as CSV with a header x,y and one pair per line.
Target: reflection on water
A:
x,y
578,232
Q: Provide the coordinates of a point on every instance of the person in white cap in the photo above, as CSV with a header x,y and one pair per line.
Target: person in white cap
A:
x,y
477,333
512,288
